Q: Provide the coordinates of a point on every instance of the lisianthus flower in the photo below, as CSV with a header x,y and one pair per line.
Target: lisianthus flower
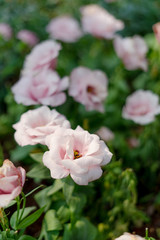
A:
x,y
76,153
132,51
105,134
44,88
27,37
141,107
35,125
89,87
11,182
5,31
64,28
100,23
43,56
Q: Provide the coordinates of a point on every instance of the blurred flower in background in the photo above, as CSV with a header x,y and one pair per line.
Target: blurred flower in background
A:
x,y
132,51
43,56
64,28
156,29
5,31
28,37
100,23
89,87
43,88
141,107
105,134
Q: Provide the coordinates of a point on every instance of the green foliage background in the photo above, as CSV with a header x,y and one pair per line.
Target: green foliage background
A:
x,y
118,201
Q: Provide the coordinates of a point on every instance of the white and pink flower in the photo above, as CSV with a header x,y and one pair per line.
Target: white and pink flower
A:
x,y
12,180
132,51
27,37
105,134
5,31
35,125
100,23
43,56
76,153
89,87
141,107
44,88
64,28
128,236
156,29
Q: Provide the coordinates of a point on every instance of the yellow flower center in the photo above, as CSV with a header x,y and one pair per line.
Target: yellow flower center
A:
x,y
77,154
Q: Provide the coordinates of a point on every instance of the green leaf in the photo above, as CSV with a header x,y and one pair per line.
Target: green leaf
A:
x,y
37,157
77,203
27,211
57,185
51,221
30,219
39,171
20,153
83,229
63,214
68,188
42,198
26,237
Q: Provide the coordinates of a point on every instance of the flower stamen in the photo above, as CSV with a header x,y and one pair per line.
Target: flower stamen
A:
x,y
77,154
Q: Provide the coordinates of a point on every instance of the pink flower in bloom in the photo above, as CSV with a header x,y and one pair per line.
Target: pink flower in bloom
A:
x,y
132,51
27,37
98,22
64,28
156,29
76,152
128,236
11,182
105,134
5,31
43,56
141,107
89,87
35,125
44,88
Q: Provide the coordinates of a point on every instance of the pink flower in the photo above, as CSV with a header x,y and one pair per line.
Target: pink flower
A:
x,y
89,88
44,88
5,31
76,152
128,236
141,107
36,124
156,29
105,134
27,37
11,182
64,28
43,56
98,22
132,51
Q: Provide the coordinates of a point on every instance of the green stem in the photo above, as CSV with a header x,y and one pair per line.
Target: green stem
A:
x,y
146,231
18,209
23,207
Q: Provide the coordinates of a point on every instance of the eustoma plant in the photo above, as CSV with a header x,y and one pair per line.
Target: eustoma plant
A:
x,y
70,152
